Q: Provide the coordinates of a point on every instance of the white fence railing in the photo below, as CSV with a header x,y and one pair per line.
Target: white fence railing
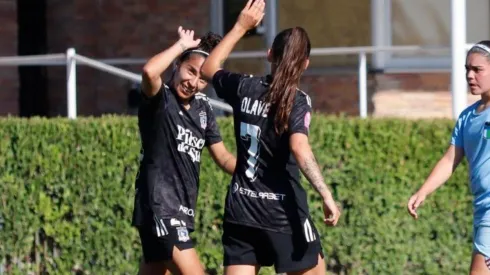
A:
x,y
71,59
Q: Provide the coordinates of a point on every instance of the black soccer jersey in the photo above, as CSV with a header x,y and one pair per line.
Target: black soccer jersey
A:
x,y
265,191
172,140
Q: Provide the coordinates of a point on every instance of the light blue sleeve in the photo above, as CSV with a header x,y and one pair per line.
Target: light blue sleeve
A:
x,y
457,136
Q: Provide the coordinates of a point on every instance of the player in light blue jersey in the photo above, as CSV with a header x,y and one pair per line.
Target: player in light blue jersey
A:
x,y
470,138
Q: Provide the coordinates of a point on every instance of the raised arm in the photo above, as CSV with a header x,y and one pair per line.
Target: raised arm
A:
x,y
249,18
301,150
155,67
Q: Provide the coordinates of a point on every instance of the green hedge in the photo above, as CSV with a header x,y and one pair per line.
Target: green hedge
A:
x,y
66,197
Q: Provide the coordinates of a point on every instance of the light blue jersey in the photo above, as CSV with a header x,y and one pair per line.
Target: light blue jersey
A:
x,y
472,133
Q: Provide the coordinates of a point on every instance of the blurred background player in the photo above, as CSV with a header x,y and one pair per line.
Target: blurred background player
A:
x,y
267,220
176,121
470,138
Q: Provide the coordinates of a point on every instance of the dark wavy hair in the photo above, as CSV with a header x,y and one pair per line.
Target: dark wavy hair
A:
x,y
290,50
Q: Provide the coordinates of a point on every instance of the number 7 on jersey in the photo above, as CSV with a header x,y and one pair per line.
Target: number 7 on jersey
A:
x,y
252,133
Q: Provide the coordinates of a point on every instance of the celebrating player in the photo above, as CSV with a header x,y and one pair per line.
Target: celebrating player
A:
x,y
176,121
267,220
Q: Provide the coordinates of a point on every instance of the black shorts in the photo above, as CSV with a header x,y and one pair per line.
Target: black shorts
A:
x,y
159,237
244,245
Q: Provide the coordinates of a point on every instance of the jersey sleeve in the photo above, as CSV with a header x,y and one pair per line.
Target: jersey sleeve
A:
x,y
457,134
212,133
300,117
153,102
226,86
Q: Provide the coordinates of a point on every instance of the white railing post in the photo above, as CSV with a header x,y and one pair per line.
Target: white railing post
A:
x,y
458,53
71,83
363,106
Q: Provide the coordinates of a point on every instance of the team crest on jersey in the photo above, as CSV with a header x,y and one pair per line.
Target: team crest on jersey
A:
x,y
486,130
203,119
183,234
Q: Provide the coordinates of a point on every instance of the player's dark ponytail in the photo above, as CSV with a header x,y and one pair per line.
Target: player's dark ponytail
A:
x,y
290,50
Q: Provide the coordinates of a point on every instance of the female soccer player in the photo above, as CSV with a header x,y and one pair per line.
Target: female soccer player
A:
x,y
267,220
470,138
176,121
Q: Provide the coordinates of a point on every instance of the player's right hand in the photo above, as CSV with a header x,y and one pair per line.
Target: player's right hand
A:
x,y
331,211
415,201
252,14
186,40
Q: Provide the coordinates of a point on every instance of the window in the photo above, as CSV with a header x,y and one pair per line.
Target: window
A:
x,y
224,14
231,11
425,23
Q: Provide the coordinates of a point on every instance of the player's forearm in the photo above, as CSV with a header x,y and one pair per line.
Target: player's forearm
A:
x,y
438,176
228,163
155,67
309,166
219,54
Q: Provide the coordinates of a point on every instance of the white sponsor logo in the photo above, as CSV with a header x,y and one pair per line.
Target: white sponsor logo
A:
x,y
235,187
187,211
190,144
175,222
258,195
257,107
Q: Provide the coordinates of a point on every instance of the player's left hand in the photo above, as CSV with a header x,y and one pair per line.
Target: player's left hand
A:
x,y
331,211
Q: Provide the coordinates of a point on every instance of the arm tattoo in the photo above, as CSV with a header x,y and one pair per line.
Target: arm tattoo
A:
x,y
312,172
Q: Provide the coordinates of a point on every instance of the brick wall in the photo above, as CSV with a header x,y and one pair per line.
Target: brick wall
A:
x,y
113,29
406,95
9,92
414,95
336,93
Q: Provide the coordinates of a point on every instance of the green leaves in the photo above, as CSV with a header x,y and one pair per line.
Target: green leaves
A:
x,y
67,190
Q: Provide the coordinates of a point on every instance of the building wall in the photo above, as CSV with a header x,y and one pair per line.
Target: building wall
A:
x,y
342,24
113,29
9,86
329,23
139,29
